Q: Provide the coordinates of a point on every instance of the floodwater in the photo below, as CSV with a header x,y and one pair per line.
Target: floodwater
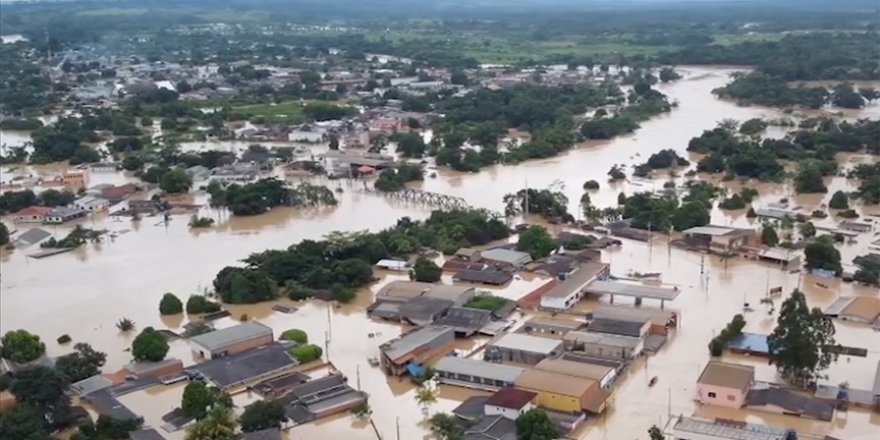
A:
x,y
83,293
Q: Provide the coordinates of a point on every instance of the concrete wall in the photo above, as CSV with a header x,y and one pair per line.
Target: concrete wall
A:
x,y
234,348
721,396
556,402
611,351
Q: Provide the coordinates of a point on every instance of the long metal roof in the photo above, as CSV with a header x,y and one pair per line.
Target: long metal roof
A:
x,y
602,287
478,368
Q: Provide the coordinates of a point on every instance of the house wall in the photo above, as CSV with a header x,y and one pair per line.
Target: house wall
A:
x,y
558,302
441,344
610,351
521,356
29,219
234,348
508,413
469,381
556,402
720,396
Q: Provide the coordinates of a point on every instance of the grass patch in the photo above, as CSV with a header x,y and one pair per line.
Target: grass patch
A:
x,y
487,302
289,112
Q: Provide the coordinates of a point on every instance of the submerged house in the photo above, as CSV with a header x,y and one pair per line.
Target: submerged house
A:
x,y
415,347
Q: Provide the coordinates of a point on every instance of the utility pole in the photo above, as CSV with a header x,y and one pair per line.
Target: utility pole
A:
x,y
329,323
358,373
702,263
527,201
397,423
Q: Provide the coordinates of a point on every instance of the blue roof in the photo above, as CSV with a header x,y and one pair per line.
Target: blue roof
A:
x,y
752,342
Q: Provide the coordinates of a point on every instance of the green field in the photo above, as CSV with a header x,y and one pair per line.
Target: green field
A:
x,y
289,112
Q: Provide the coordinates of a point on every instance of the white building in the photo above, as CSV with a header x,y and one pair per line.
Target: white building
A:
x,y
510,403
91,204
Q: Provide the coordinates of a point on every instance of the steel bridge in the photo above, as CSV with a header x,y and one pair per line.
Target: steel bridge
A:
x,y
424,198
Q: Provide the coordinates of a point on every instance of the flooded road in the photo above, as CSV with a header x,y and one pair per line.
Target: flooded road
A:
x,y
83,293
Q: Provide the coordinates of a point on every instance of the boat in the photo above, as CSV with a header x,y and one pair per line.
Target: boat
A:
x,y
653,381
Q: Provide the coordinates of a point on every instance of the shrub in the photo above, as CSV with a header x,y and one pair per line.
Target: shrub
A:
x,y
295,335
63,339
591,185
306,353
838,201
819,214
170,305
427,271
849,213
199,304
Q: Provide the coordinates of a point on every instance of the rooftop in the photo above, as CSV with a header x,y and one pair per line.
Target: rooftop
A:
x,y
728,430
91,385
496,277
715,230
409,342
447,292
223,338
105,404
791,402
573,368
629,313
477,368
423,308
602,339
511,398
627,289
492,428
146,434
405,289
521,342
472,408
727,375
576,280
263,434
515,258
465,318
617,326
863,307
234,369
751,342
546,321
555,383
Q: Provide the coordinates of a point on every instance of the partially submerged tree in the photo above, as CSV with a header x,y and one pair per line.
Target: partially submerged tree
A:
x,y
218,425
802,342
536,241
170,304
83,363
149,345
21,346
426,270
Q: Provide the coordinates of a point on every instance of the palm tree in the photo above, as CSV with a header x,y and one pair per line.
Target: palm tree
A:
x,y
125,325
426,396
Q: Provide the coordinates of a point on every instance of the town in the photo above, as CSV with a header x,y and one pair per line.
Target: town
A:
x,y
241,228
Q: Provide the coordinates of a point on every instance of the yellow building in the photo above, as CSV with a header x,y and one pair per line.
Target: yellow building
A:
x,y
561,392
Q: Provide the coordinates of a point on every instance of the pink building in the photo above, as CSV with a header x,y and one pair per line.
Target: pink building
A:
x,y
725,384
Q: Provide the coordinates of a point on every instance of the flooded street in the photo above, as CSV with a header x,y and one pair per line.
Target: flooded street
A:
x,y
83,293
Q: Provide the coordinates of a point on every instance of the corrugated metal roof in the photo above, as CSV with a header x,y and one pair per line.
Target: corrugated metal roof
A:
x,y
573,368
474,367
413,340
577,280
624,289
225,337
555,383
508,256
521,342
727,375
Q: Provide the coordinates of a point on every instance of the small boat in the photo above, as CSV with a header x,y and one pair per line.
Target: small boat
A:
x,y
653,381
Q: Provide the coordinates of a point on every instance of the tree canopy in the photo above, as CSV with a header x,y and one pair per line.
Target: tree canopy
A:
x,y
149,345
83,363
426,270
802,341
262,415
536,241
536,425
219,424
170,304
20,346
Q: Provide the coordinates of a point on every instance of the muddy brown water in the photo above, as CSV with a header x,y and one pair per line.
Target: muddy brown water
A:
x,y
83,293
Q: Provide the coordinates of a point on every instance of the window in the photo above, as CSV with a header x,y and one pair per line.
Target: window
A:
x,y
712,395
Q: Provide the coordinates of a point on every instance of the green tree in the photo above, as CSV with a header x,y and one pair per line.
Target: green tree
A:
x,y
306,353
809,178
536,241
296,335
197,304
22,422
769,237
199,398
83,363
262,415
838,201
689,215
808,230
20,346
43,389
445,426
149,345
170,304
175,181
218,425
821,254
426,271
536,425
106,428
802,342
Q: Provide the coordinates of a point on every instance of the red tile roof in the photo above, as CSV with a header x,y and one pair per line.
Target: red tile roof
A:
x,y
511,398
33,211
